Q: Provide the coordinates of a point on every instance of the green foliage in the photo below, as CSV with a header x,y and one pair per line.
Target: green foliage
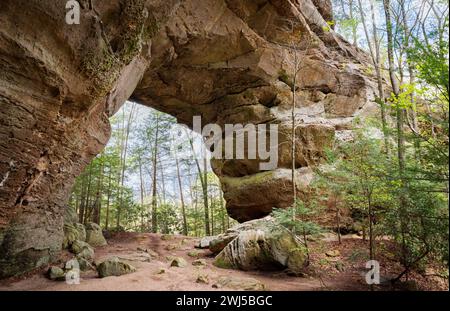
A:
x,y
432,63
295,219
362,175
100,186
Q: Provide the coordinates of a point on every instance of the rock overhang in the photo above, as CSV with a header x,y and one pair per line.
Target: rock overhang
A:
x,y
225,60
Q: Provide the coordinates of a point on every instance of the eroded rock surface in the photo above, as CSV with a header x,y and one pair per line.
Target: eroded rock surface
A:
x,y
226,60
262,245
232,62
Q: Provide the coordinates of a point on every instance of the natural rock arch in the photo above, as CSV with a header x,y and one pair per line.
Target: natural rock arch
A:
x,y
225,60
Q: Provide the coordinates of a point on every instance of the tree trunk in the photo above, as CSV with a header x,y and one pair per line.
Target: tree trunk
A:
x,y
154,198
82,198
183,209
88,194
98,200
338,219
124,163
108,197
205,195
400,122
354,26
142,193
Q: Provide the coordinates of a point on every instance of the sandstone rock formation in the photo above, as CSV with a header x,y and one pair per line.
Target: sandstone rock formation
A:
x,y
261,245
229,61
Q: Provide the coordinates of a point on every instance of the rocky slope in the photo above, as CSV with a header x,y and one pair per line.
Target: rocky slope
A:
x,y
229,61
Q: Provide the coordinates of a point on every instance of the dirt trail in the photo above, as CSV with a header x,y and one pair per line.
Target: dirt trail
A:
x,y
149,277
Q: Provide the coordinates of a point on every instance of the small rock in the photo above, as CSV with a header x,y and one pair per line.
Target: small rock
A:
x,y
149,251
167,237
193,254
56,273
171,247
333,253
199,262
178,262
85,265
114,267
239,283
161,271
202,279
339,266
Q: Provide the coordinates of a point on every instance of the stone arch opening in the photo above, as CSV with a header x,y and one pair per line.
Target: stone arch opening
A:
x,y
226,61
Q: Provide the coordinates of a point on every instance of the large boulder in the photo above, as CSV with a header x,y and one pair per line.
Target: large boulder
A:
x,y
221,241
73,232
82,250
204,242
114,267
94,235
70,235
81,231
263,245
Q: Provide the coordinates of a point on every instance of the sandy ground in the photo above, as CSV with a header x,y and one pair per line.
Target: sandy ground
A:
x,y
343,272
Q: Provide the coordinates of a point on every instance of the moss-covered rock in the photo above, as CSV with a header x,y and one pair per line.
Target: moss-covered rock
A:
x,y
56,273
82,250
73,232
70,235
81,231
194,253
263,245
114,267
202,279
199,262
94,235
178,262
218,244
